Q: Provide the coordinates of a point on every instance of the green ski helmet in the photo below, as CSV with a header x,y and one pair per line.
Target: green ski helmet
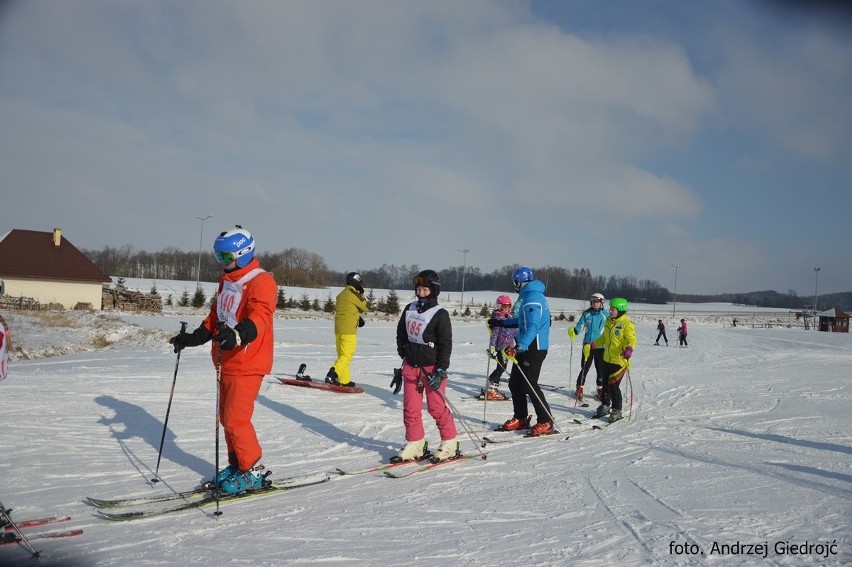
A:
x,y
618,303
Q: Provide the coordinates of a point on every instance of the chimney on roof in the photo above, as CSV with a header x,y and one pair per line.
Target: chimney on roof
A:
x,y
57,237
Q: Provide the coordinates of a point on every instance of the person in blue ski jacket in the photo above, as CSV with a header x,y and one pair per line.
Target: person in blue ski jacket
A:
x,y
593,319
531,344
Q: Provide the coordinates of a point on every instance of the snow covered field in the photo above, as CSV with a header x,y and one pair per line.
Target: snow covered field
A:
x,y
741,439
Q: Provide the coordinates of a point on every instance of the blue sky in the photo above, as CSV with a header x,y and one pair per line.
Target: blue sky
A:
x,y
619,136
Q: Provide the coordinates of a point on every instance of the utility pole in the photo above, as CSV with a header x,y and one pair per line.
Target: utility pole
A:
x,y
674,303
464,270
200,240
816,295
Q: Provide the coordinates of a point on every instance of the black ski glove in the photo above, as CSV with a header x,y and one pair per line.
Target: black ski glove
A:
x,y
396,383
437,377
495,323
226,337
361,322
243,332
196,338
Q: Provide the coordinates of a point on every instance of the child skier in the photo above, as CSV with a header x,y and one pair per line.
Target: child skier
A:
x,y
619,341
424,341
594,319
501,338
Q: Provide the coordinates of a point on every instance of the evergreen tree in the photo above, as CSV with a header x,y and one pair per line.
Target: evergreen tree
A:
x,y
199,298
328,306
154,288
184,298
315,305
169,300
282,301
371,299
392,304
484,311
466,311
305,302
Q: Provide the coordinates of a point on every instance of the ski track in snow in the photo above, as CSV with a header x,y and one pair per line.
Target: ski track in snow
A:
x,y
742,436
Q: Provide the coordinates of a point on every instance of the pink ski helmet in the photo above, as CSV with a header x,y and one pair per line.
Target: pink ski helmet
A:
x,y
504,300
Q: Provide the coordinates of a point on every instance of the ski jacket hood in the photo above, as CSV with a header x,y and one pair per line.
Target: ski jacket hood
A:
x,y
533,320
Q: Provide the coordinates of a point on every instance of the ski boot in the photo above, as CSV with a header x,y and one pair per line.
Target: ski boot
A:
x,y
602,411
614,415
493,394
413,451
515,424
243,481
579,394
542,428
449,449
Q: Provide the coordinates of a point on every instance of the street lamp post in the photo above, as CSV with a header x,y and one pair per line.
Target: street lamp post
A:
x,y
464,269
816,295
674,303
200,241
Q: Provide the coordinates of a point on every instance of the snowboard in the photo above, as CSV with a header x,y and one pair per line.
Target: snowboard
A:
x,y
320,386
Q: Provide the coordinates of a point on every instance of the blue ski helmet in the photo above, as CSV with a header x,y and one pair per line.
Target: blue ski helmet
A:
x,y
521,276
235,244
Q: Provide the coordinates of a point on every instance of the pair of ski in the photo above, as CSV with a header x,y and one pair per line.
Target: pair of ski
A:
x,y
149,506
503,436
423,464
9,535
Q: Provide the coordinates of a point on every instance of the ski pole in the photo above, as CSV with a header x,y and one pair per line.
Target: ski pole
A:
x,y
485,391
630,383
570,367
168,409
529,384
218,512
470,433
17,530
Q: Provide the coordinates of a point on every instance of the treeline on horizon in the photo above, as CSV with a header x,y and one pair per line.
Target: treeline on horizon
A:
x,y
296,267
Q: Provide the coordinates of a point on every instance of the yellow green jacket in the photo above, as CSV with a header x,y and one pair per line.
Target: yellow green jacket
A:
x,y
617,335
348,308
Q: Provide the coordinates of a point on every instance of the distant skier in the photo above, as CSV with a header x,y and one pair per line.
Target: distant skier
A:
x,y
619,341
424,341
661,332
501,337
5,347
348,307
681,333
593,319
533,322
240,324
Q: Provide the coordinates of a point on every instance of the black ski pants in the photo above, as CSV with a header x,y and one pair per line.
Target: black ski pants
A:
x,y
662,334
613,374
497,373
595,356
529,365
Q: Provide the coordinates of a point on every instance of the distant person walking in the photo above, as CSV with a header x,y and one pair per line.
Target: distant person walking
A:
x,y
5,347
661,332
348,307
681,333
